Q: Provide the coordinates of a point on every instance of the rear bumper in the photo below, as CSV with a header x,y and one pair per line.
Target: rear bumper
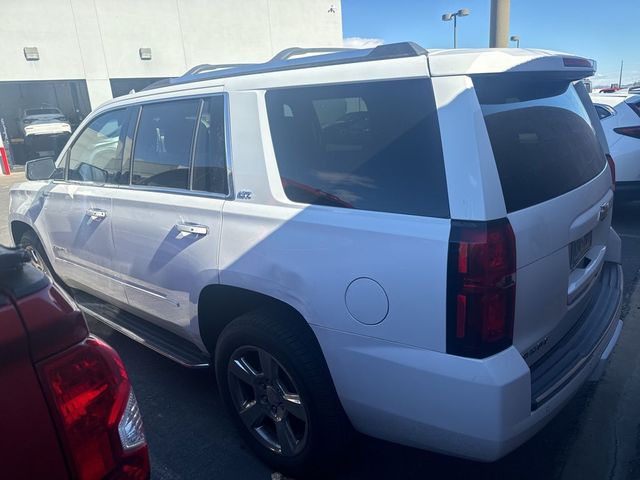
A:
x,y
476,409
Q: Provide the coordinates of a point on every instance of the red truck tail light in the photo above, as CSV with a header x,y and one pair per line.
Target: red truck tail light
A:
x,y
481,288
97,413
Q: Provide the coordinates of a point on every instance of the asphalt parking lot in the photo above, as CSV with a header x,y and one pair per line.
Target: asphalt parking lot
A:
x,y
596,436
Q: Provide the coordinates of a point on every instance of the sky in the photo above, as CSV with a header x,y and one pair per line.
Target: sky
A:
x,y
605,30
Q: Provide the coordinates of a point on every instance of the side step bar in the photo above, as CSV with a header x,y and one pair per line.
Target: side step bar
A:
x,y
157,339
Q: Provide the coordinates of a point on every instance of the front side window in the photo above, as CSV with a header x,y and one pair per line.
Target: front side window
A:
x,y
96,154
162,149
369,146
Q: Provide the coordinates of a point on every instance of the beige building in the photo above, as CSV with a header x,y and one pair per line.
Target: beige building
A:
x,y
75,54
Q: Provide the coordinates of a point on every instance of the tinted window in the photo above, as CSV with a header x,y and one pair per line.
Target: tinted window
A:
x,y
542,139
635,106
96,154
162,150
602,112
209,161
370,146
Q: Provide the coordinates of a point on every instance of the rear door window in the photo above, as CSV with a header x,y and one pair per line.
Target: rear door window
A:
x,y
369,146
542,138
209,161
162,149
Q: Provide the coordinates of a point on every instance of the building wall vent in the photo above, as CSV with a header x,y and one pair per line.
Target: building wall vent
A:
x,y
145,53
31,54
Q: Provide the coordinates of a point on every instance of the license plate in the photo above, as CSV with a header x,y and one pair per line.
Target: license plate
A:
x,y
579,249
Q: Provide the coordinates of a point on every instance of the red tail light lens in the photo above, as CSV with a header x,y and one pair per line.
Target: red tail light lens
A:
x,y
96,412
612,169
628,131
481,288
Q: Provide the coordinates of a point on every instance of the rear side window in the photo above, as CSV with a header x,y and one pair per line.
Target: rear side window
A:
x,y
603,112
635,106
542,138
162,149
369,146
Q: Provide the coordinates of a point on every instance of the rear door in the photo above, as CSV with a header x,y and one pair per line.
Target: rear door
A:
x,y
167,215
558,197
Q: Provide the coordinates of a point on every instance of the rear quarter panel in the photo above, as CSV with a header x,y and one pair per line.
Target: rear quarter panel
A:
x,y
307,256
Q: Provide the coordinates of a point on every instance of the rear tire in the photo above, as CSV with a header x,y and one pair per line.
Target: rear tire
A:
x,y
270,368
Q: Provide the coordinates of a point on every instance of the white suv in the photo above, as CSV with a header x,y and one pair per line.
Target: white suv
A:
x,y
416,244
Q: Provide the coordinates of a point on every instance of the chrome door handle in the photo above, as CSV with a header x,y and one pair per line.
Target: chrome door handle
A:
x,y
96,213
192,228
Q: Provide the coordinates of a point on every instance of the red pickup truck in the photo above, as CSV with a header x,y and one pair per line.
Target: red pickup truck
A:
x,y
67,409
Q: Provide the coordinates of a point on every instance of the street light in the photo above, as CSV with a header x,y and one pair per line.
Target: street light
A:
x,y
463,12
516,38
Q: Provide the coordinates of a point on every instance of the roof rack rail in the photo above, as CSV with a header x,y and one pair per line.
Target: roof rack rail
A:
x,y
283,61
206,67
287,53
164,82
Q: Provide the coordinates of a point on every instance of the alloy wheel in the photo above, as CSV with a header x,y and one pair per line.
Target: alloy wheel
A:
x,y
268,401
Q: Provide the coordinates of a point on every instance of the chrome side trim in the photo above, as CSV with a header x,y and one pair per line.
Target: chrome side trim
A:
x,y
151,293
134,336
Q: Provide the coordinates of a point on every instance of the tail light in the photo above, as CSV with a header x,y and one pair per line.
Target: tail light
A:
x,y
628,131
612,169
97,413
481,288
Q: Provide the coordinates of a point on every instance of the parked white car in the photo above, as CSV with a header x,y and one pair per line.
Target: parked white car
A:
x,y
620,117
414,244
43,121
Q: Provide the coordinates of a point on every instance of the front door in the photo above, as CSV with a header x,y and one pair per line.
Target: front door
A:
x,y
77,212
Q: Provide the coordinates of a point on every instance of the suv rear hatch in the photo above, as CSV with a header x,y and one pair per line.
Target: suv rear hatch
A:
x,y
557,189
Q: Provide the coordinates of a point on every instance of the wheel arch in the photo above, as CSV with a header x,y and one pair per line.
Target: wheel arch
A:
x,y
19,228
219,305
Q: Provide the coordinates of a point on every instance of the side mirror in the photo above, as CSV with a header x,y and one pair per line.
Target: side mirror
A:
x,y
40,168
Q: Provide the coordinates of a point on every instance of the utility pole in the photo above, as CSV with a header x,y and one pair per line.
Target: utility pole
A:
x,y
620,81
499,34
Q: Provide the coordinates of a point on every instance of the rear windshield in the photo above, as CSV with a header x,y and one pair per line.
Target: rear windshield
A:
x,y
43,111
542,138
369,146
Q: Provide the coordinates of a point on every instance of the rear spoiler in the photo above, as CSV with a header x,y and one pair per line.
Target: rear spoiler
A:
x,y
509,60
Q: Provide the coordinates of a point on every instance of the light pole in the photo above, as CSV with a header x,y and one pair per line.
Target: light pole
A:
x,y
447,17
515,38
